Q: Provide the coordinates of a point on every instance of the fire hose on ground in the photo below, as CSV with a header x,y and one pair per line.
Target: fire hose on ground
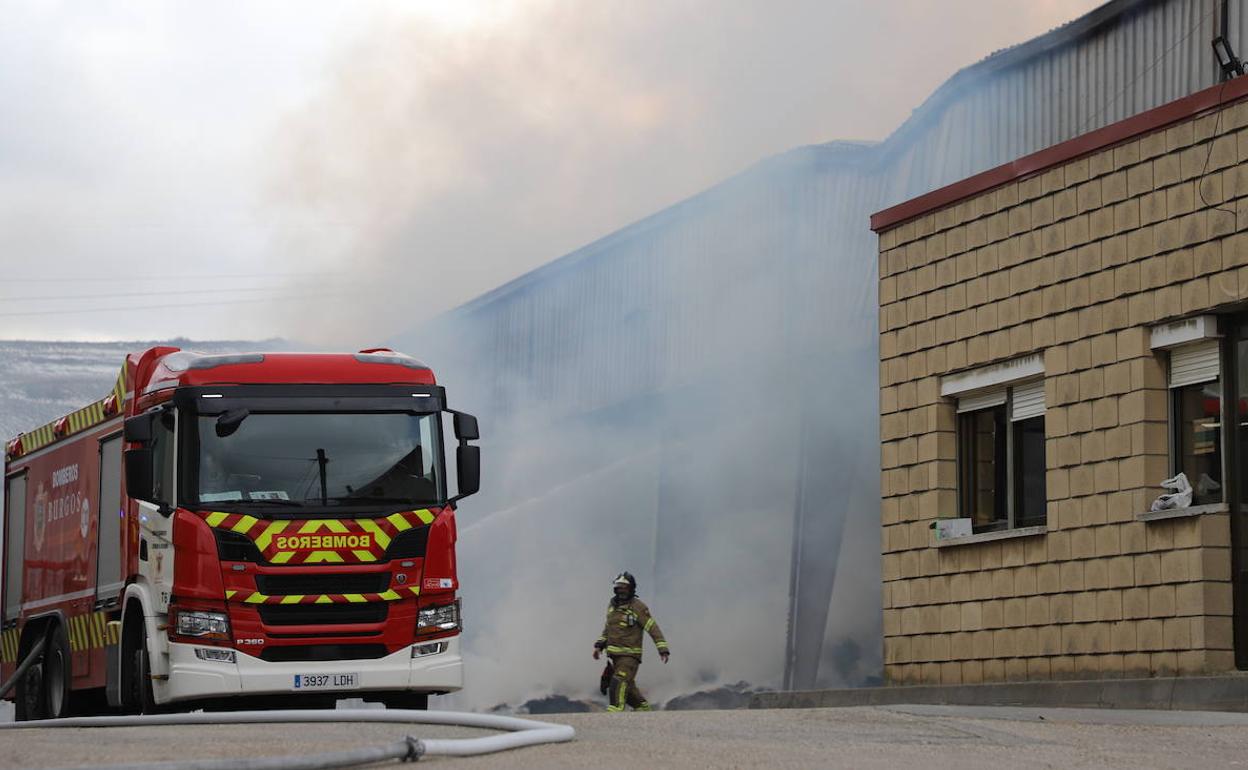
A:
x,y
520,733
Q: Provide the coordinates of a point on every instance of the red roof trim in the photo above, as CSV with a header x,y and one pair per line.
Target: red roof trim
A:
x,y
1115,133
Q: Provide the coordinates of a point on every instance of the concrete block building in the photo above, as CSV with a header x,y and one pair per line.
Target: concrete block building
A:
x,y
1057,336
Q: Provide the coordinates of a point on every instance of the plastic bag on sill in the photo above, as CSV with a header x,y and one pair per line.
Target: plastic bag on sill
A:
x,y
1181,497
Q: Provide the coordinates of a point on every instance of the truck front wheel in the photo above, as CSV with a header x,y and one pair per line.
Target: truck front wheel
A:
x,y
138,680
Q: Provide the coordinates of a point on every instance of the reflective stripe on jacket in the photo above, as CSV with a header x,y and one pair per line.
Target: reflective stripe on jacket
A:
x,y
622,633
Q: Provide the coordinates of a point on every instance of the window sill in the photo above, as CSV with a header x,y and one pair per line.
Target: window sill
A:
x,y
988,537
1180,513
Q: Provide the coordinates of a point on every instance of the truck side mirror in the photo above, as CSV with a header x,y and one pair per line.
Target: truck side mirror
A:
x,y
138,470
139,428
468,465
466,427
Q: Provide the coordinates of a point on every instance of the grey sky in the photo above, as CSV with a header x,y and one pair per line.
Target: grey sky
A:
x,y
335,172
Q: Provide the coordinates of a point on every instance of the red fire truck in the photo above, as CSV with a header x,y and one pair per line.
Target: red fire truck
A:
x,y
261,526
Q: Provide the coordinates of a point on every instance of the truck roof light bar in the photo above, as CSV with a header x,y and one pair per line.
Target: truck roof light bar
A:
x,y
211,362
383,356
186,359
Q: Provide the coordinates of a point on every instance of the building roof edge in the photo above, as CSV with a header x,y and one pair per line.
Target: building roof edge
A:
x,y
1085,144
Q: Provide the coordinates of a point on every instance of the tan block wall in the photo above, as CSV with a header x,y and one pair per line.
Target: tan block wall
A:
x,y
1074,263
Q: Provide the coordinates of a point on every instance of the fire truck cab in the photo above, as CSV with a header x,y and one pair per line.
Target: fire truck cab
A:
x,y
269,526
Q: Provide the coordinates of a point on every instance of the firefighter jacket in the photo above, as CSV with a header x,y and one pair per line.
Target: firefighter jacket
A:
x,y
625,623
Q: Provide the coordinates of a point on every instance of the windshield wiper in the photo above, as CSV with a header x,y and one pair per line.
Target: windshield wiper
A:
x,y
275,501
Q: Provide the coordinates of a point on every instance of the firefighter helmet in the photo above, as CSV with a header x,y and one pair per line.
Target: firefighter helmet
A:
x,y
626,579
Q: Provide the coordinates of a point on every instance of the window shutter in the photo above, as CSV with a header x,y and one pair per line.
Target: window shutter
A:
x,y
1192,364
1028,401
981,401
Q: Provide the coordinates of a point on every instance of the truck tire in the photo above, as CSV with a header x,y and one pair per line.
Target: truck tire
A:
x,y
57,674
138,679
416,701
43,693
31,695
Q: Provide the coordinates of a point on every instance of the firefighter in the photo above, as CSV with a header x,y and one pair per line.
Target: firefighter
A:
x,y
627,618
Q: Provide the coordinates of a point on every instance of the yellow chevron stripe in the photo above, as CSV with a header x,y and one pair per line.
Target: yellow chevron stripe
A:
x,y
368,525
8,646
75,634
311,526
424,515
282,557
364,556
336,526
244,524
388,596
320,556
114,631
399,521
265,537
229,593
215,519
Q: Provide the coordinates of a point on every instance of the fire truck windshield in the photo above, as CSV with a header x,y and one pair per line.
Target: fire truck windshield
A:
x,y
316,459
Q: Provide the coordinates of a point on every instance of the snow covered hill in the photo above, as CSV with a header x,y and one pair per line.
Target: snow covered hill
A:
x,y
40,381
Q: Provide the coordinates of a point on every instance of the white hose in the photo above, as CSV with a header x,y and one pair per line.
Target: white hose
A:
x,y
521,732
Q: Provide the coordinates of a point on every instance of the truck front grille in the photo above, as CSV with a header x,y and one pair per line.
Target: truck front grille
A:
x,y
357,583
322,614
299,653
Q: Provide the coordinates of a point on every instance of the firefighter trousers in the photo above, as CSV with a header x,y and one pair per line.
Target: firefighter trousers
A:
x,y
624,689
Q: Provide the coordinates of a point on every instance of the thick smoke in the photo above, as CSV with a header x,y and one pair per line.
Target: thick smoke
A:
x,y
443,158
675,401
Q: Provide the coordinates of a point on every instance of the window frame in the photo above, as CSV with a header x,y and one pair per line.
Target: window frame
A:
x,y
1174,427
1012,456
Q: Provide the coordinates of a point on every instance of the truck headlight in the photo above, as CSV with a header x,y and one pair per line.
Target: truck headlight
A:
x,y
443,617
203,625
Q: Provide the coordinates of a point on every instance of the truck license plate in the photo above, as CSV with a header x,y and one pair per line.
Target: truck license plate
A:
x,y
326,682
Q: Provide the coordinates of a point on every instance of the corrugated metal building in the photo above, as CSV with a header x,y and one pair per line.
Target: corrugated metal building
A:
x,y
695,396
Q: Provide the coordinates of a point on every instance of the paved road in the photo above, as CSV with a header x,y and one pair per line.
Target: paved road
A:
x,y
932,737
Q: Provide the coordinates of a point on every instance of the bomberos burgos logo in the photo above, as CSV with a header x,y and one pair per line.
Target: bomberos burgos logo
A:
x,y
66,500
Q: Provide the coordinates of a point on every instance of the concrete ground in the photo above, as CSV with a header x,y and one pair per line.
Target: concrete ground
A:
x,y
931,736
